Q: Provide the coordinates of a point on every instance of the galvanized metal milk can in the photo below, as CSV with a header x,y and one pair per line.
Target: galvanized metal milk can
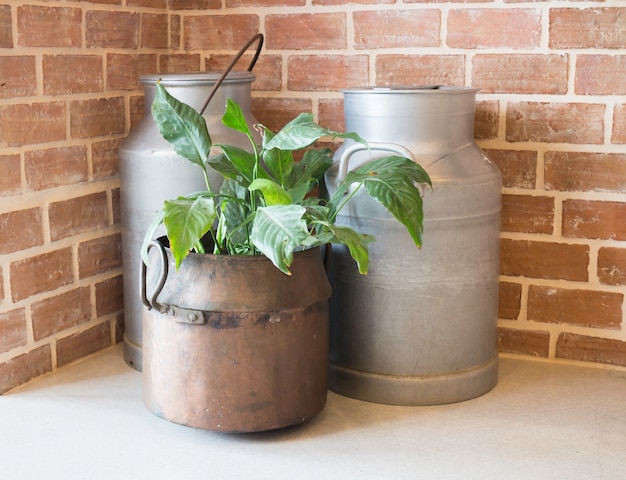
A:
x,y
151,172
420,328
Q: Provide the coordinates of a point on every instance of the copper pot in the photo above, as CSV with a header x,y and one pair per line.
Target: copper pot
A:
x,y
233,344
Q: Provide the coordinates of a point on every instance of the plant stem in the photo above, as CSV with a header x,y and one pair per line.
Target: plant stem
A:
x,y
342,204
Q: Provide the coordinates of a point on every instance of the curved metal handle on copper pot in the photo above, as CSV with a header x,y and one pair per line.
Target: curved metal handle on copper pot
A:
x,y
259,37
387,147
151,302
179,314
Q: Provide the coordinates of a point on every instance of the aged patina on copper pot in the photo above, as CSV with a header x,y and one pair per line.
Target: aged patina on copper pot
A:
x,y
231,343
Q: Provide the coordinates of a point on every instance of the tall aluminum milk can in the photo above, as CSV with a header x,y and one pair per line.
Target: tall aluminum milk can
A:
x,y
151,172
420,327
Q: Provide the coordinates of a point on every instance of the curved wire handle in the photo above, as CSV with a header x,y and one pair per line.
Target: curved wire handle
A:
x,y
151,302
259,37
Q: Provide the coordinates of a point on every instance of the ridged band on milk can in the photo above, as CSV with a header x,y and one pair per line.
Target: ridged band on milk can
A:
x,y
420,328
151,172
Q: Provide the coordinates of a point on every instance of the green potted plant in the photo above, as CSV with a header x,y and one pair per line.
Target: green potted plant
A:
x,y
235,334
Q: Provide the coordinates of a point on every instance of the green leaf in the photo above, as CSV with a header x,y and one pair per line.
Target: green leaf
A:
x,y
242,161
183,127
357,245
235,217
187,220
277,231
389,180
234,117
152,228
311,169
279,162
302,132
273,193
221,164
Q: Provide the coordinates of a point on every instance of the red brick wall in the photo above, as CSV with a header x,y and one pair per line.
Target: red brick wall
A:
x,y
69,93
550,113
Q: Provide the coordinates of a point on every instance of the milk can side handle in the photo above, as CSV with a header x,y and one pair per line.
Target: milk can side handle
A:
x,y
259,37
387,147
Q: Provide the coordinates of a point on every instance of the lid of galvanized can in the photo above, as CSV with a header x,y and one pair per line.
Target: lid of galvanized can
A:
x,y
395,89
197,78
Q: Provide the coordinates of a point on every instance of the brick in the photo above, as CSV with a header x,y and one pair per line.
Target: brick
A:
x,y
115,206
154,30
158,4
619,124
178,63
49,26
6,27
175,31
24,368
99,255
594,219
576,123
41,273
309,73
359,2
11,178
97,117
518,167
109,296
85,343
517,73
1,286
86,74
586,308
193,4
393,69
19,77
275,113
54,314
509,300
587,172
112,29
20,230
612,266
586,348
105,158
535,343
330,112
31,124
123,70
587,28
268,69
12,329
305,31
486,120
535,259
600,74
264,3
396,29
218,32
527,214
518,28
77,215
55,167
137,108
